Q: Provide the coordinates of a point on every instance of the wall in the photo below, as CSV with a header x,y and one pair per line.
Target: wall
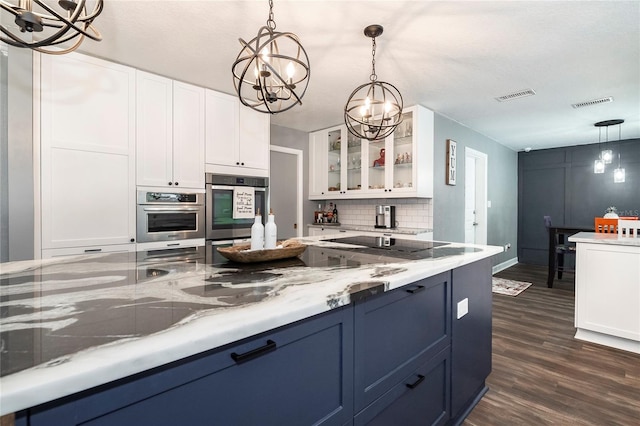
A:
x,y
410,212
502,191
560,183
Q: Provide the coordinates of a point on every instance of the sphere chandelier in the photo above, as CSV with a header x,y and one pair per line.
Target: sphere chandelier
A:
x,y
271,72
52,27
374,109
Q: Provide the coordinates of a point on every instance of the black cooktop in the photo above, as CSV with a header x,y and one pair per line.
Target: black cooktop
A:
x,y
389,244
399,248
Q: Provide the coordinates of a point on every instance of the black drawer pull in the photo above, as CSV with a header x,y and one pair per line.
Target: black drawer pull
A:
x,y
416,383
416,289
254,353
92,250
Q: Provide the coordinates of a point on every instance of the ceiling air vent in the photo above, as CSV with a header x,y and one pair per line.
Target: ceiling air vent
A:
x,y
516,95
593,102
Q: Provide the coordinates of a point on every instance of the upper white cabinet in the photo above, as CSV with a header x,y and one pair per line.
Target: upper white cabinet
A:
x,y
87,133
170,132
399,166
237,137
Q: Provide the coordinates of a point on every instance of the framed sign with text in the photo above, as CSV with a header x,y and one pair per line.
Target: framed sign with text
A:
x,y
452,152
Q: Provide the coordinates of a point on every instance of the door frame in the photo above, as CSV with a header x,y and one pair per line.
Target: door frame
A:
x,y
299,184
481,179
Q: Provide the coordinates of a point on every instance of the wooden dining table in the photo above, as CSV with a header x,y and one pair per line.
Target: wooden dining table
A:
x,y
557,234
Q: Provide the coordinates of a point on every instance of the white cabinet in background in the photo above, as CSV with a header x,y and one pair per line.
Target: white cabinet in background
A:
x,y
237,137
87,132
170,132
351,170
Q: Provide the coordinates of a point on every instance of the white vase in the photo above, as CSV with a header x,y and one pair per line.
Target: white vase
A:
x,y
610,215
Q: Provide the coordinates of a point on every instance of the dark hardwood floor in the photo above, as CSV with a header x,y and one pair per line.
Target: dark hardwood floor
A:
x,y
541,375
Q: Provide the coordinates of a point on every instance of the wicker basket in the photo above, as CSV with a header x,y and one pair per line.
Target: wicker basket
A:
x,y
243,254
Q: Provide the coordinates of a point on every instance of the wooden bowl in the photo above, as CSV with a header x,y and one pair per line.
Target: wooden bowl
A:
x,y
242,253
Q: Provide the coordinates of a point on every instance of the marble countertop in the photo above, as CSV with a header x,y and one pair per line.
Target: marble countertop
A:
x,y
72,323
371,228
601,238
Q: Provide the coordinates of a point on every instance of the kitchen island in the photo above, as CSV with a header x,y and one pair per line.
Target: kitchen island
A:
x,y
143,337
608,290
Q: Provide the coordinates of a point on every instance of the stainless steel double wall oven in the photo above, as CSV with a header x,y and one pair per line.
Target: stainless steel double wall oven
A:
x,y
220,189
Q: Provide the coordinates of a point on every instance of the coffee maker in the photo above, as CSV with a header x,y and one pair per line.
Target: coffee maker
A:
x,y
385,216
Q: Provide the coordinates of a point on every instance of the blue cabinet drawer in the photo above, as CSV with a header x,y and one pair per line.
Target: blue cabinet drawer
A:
x,y
421,398
300,374
394,329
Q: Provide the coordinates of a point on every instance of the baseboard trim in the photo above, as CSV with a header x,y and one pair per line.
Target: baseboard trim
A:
x,y
504,265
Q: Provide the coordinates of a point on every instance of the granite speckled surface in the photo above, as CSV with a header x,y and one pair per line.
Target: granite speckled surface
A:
x,y
72,323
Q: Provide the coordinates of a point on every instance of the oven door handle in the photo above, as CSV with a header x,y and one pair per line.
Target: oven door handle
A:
x,y
169,209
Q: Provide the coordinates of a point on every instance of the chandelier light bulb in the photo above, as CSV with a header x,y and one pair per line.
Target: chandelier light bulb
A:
x,y
607,156
291,71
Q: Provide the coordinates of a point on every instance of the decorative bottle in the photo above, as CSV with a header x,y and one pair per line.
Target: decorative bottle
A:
x,y
335,213
257,233
270,232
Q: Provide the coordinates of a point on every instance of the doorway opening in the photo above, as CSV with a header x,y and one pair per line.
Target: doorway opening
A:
x,y
285,198
475,196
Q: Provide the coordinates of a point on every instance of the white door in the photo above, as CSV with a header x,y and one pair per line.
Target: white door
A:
x,y
285,196
470,200
475,196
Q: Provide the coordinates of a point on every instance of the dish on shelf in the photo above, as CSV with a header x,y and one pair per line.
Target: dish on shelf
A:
x,y
242,253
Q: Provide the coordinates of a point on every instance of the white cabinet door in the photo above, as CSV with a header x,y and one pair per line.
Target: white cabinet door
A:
x,y
154,129
188,135
170,132
222,128
254,139
318,165
88,152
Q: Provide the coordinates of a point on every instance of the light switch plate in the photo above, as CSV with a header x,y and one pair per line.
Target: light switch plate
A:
x,y
463,308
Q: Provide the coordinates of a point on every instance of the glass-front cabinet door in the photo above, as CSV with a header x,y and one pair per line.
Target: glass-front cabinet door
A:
x,y
353,164
334,155
402,174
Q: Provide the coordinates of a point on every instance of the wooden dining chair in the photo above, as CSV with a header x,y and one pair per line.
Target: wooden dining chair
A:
x,y
606,225
628,228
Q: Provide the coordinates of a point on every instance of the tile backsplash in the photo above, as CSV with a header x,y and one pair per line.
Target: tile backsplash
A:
x,y
410,213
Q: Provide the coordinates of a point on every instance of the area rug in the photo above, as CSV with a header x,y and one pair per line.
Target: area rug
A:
x,y
509,287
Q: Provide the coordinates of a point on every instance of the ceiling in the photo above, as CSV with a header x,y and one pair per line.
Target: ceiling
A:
x,y
453,57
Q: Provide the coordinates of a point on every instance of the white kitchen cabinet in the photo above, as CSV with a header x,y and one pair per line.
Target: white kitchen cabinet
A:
x,y
355,170
87,156
170,132
237,137
335,169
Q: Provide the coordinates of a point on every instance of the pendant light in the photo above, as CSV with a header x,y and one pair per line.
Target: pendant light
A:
x,y
53,27
271,72
598,165
374,109
618,173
